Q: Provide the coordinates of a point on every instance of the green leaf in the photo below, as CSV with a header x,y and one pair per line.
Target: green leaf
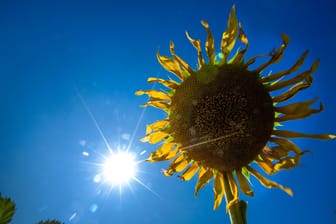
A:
x,y
7,210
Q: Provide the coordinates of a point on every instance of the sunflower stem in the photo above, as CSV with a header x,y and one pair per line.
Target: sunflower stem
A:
x,y
237,212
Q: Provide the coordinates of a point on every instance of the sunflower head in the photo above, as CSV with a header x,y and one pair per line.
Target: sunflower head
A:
x,y
222,117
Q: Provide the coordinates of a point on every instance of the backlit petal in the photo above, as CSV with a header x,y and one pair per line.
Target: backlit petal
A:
x,y
268,183
218,189
190,172
155,137
244,184
204,176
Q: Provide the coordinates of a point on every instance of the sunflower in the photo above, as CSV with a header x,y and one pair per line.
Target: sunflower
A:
x,y
223,117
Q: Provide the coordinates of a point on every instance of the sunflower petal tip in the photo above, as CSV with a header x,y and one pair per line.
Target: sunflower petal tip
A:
x,y
204,23
139,92
332,136
288,191
285,38
144,139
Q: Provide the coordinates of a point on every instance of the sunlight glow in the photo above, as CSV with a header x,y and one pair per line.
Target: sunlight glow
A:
x,y
119,168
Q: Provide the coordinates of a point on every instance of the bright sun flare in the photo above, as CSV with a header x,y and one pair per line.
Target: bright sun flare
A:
x,y
119,168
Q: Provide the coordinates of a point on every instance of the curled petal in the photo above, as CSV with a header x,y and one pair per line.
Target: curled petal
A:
x,y
239,56
294,68
188,70
268,183
204,177
244,184
295,108
209,44
230,35
275,56
292,91
179,164
266,166
289,162
190,172
301,115
197,45
234,190
218,189
286,145
304,75
171,65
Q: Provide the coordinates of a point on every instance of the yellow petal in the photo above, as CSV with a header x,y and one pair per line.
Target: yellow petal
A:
x,y
292,134
164,149
254,58
292,91
301,115
289,162
266,166
197,45
218,189
239,56
276,56
304,75
286,144
190,172
158,104
204,177
154,94
156,126
209,44
168,83
171,169
244,184
294,68
171,65
230,35
278,152
179,164
234,190
181,62
155,137
295,108
268,183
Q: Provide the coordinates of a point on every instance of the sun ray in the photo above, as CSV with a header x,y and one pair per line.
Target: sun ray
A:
x,y
118,167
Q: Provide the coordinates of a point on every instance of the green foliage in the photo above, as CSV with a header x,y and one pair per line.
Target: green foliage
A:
x,y
7,210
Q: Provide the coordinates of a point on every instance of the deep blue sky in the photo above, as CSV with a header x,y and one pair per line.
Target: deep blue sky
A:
x,y
51,50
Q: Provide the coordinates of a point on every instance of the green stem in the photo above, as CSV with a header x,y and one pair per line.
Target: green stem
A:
x,y
237,212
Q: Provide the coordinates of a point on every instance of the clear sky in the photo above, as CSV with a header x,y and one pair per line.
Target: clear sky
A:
x,y
55,53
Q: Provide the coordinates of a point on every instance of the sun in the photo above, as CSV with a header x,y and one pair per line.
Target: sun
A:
x,y
224,118
119,168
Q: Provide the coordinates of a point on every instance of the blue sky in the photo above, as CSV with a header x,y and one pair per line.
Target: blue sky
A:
x,y
53,51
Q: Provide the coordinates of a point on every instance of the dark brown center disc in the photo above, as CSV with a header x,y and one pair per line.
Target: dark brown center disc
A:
x,y
222,116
